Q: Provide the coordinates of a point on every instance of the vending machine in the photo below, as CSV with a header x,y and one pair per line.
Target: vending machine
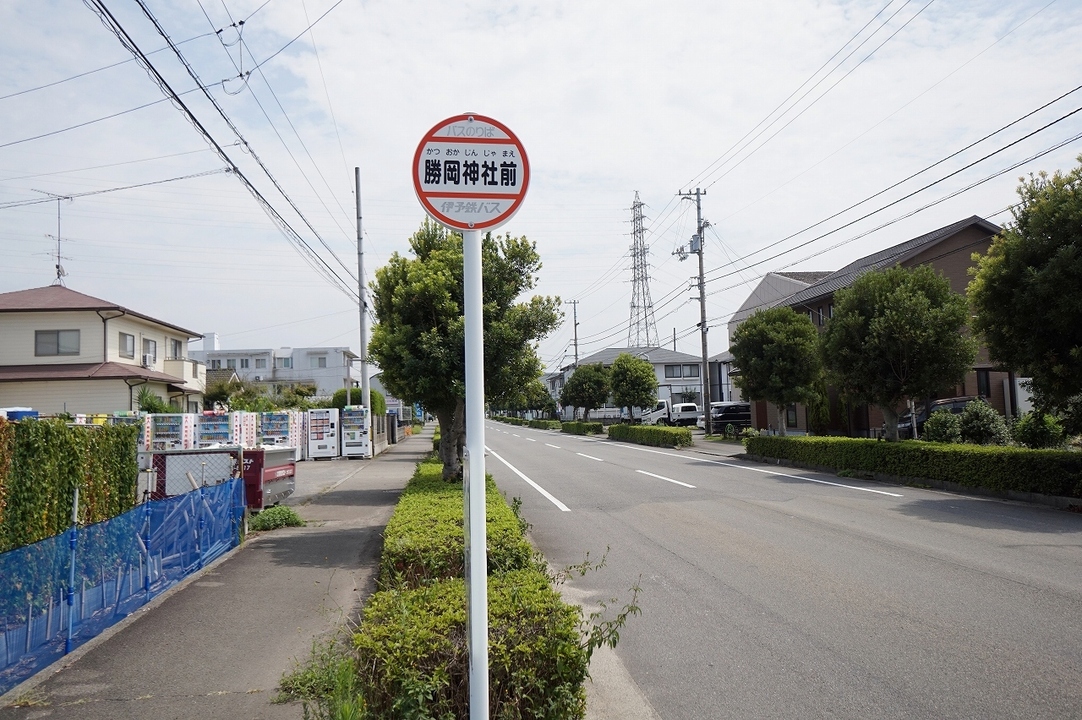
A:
x,y
355,435
323,433
171,431
213,428
283,428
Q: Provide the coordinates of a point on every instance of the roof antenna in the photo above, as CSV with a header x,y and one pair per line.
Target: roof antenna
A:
x,y
60,272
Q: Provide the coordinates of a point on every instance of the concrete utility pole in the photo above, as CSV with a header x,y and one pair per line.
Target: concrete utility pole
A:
x,y
575,314
366,390
697,247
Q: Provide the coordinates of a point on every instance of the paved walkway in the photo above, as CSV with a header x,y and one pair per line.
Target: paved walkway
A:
x,y
215,647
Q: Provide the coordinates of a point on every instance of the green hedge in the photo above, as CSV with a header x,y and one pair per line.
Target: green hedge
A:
x,y
582,428
651,435
509,420
42,462
546,424
1047,472
423,540
413,661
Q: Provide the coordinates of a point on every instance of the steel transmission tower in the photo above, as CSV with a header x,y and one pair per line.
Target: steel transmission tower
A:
x,y
642,331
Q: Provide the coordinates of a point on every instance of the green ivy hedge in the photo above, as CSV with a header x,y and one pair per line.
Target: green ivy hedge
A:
x,y
423,540
651,435
999,468
582,428
413,659
41,464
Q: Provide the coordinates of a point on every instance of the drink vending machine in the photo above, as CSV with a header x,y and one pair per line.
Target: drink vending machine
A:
x,y
283,428
355,435
171,431
323,433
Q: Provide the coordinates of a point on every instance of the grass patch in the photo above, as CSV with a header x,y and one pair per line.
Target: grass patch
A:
x,y
325,683
275,517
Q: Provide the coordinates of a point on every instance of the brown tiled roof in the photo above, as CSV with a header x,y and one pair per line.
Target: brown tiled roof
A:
x,y
83,371
220,375
807,277
57,298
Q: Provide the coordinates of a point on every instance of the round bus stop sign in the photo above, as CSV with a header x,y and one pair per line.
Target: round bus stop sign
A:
x,y
470,172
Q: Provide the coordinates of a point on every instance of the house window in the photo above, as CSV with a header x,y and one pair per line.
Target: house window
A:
x,y
984,384
215,364
790,416
283,362
819,316
811,317
176,350
244,363
672,371
127,345
830,310
691,371
150,347
261,363
318,362
56,342
231,364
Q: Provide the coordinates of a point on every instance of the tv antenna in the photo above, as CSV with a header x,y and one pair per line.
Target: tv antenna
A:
x,y
60,273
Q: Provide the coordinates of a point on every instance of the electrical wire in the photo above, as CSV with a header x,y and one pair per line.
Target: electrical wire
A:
x,y
107,165
38,201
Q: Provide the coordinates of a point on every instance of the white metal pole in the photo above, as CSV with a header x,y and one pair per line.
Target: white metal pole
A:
x,y
366,390
477,580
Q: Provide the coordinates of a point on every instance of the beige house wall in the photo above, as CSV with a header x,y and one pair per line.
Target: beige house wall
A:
x,y
17,337
73,396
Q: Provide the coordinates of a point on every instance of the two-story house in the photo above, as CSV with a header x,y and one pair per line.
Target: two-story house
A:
x,y
63,351
329,369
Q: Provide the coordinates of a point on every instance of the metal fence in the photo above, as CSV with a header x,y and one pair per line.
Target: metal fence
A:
x,y
60,592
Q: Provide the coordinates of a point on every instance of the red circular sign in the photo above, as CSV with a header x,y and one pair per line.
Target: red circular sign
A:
x,y
470,172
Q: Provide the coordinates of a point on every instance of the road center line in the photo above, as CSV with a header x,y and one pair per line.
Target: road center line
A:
x,y
760,470
535,486
531,439
662,477
590,456
553,446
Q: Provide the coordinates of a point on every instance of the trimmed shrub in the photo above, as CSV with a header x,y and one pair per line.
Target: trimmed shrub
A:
x,y
943,427
424,542
982,425
582,428
1047,472
651,435
275,517
1039,430
546,424
413,661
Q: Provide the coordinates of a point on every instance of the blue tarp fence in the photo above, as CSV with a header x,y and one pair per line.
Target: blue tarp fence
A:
x,y
60,592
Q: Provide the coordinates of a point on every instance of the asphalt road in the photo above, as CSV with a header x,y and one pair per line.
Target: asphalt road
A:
x,y
777,593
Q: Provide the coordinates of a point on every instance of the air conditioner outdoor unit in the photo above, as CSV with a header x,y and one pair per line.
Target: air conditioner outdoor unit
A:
x,y
257,378
148,360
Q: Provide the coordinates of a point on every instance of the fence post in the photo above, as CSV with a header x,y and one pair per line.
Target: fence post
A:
x,y
200,526
146,546
73,541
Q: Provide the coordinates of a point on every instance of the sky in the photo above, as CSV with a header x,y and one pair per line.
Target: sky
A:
x,y
820,130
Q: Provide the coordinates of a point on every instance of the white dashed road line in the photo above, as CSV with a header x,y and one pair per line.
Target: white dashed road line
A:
x,y
535,486
662,477
590,456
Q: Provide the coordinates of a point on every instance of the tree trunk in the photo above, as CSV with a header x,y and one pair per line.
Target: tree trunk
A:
x,y
781,420
586,414
890,419
452,439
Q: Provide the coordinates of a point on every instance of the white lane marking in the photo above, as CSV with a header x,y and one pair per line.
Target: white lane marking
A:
x,y
662,477
535,486
553,446
516,434
590,456
759,470
531,439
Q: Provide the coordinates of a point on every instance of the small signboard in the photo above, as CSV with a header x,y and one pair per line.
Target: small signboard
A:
x,y
470,172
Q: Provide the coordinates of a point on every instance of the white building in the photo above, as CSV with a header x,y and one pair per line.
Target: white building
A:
x,y
63,351
327,368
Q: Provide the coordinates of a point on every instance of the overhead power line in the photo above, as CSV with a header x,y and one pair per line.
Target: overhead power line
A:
x,y
38,201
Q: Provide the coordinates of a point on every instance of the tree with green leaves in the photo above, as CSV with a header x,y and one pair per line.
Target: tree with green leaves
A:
x,y
777,353
1035,266
356,397
419,338
588,387
634,383
896,334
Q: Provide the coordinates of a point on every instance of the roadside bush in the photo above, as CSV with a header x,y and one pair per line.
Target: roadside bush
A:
x,y
982,425
546,424
943,427
1047,472
275,517
582,428
651,435
1039,430
424,542
413,661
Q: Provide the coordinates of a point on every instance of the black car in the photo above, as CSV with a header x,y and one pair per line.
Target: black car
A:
x,y
955,405
737,414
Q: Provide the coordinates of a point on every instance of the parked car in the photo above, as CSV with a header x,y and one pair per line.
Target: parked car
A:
x,y
955,405
737,414
674,414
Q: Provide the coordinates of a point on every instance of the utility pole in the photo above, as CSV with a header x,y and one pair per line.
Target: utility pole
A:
x,y
366,390
575,313
697,247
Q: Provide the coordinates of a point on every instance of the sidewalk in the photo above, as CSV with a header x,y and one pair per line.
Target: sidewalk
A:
x,y
215,647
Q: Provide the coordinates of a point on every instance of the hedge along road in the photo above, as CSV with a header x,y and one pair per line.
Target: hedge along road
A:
x,y
773,592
